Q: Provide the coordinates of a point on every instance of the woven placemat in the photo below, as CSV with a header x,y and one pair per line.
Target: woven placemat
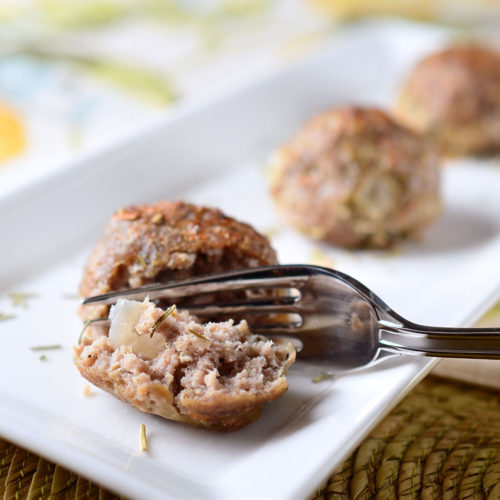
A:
x,y
442,441
24,475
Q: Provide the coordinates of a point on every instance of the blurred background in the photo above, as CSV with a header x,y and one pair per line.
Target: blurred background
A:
x,y
76,73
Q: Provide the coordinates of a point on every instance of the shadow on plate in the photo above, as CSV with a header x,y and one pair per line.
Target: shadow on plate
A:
x,y
288,414
296,410
456,230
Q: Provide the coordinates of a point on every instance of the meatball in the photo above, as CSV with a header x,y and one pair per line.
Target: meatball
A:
x,y
453,97
355,178
216,375
166,242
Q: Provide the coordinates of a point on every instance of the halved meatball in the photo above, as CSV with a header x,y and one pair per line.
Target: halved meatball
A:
x,y
356,178
167,242
216,375
453,97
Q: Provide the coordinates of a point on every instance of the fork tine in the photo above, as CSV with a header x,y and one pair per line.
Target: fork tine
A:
x,y
273,305
262,278
269,329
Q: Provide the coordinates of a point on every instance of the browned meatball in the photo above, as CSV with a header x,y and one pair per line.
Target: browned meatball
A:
x,y
454,97
216,375
355,178
169,241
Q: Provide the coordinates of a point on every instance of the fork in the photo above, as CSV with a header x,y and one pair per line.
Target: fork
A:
x,y
330,316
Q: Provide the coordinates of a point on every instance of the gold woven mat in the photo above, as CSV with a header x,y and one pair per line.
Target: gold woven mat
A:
x,y
441,441
24,475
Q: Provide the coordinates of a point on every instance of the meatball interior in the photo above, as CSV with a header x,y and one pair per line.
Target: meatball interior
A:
x,y
215,375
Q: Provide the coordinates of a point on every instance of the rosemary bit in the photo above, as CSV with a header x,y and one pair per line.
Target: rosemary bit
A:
x,y
162,318
6,317
43,357
141,261
46,347
85,326
19,299
143,439
199,335
320,378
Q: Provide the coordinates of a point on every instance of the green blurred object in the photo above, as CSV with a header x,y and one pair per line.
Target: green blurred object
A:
x,y
145,84
76,14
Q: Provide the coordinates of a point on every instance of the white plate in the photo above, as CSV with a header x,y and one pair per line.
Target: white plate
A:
x,y
216,155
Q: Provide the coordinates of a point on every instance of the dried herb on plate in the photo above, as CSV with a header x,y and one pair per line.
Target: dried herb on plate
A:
x,y
320,378
20,299
143,439
51,347
6,317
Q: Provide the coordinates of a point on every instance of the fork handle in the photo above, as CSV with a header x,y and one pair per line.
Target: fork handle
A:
x,y
442,342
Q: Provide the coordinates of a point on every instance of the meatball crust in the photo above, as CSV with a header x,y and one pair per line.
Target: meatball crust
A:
x,y
168,241
355,178
453,96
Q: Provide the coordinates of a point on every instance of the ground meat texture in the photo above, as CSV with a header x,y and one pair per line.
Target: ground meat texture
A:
x,y
453,97
166,242
214,375
356,178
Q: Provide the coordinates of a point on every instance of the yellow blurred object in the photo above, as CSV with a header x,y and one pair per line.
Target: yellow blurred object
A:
x,y
12,133
452,10
348,9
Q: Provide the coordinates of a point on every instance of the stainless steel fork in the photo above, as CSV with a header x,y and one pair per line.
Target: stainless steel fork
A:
x,y
336,319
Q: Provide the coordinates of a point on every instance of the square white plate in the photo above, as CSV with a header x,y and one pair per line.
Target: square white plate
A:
x,y
216,155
